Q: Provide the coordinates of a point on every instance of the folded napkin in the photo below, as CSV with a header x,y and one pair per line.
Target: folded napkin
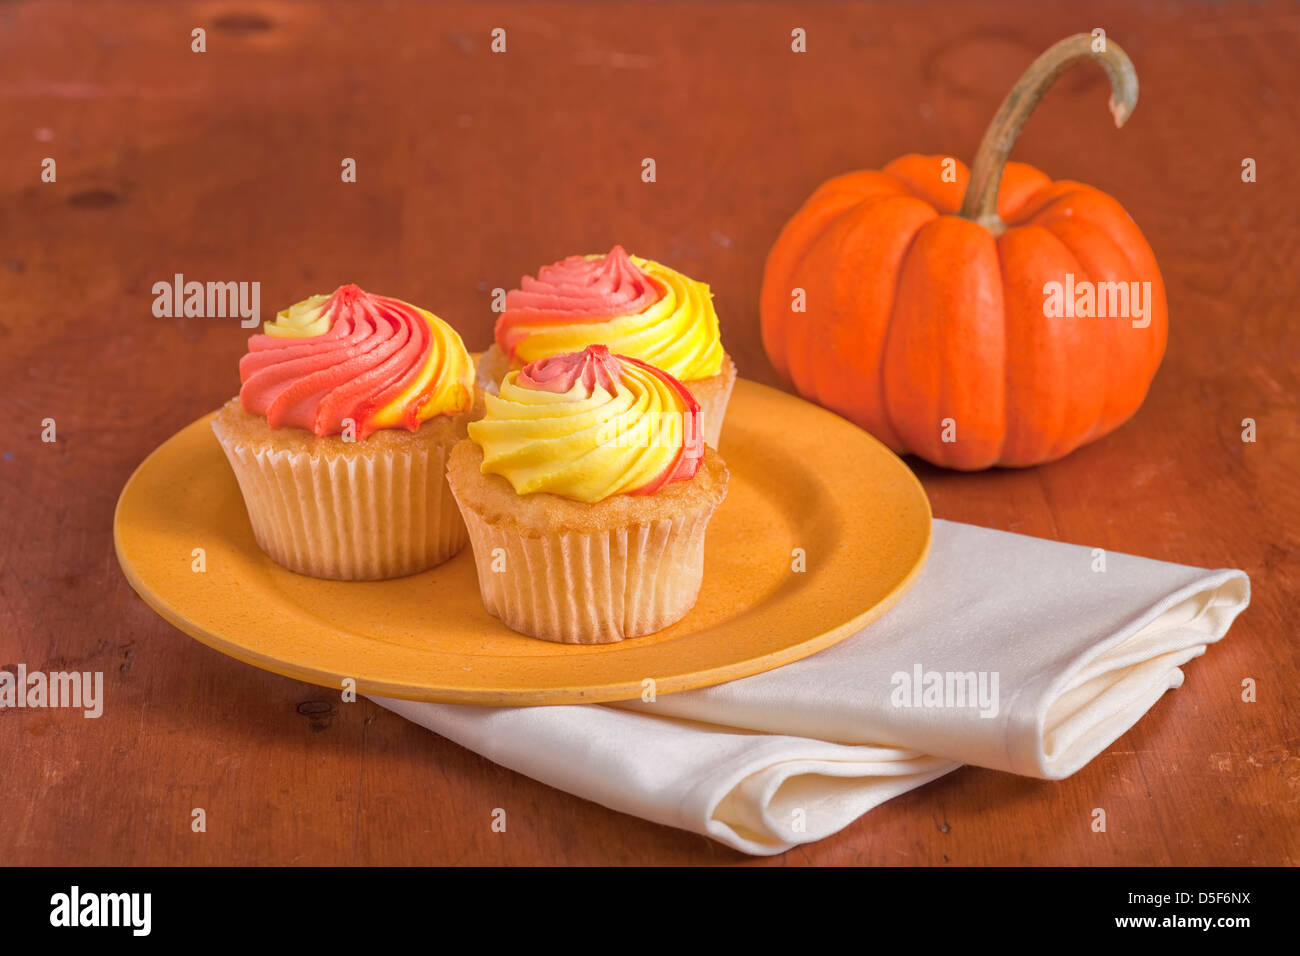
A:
x,y
1009,652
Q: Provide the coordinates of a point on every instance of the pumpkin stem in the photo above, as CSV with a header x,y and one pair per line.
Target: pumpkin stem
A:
x,y
981,200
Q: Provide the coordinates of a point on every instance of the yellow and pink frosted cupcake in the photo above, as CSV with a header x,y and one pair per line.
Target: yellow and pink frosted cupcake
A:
x,y
349,407
637,307
587,488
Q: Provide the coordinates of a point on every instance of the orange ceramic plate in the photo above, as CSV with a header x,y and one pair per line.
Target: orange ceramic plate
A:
x,y
803,482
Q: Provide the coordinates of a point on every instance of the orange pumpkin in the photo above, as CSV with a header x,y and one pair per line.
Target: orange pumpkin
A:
x,y
928,307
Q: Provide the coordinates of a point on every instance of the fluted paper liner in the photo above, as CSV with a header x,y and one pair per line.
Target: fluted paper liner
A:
x,y
490,367
350,517
713,393
598,588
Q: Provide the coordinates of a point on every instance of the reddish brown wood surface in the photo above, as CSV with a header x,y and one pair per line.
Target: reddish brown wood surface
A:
x,y
474,168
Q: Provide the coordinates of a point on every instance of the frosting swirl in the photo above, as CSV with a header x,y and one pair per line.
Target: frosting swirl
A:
x,y
635,306
381,362
588,425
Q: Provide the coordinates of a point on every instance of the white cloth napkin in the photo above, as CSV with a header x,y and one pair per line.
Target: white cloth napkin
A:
x,y
793,755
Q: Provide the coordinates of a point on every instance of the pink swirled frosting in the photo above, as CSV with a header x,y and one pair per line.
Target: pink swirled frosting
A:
x,y
578,289
559,373
376,361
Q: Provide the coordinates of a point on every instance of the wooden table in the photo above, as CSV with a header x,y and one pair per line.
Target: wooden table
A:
x,y
472,169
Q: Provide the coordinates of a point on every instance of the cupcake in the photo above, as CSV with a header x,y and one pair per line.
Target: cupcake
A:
x,y
587,488
349,407
637,307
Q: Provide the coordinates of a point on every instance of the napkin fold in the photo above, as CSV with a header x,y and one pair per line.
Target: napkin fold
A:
x,y
1009,652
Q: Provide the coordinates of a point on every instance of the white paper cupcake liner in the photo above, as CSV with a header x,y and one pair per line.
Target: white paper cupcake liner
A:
x,y
350,517
598,588
713,394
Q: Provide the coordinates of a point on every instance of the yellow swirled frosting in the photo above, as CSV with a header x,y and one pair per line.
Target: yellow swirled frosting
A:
x,y
588,425
377,361
637,307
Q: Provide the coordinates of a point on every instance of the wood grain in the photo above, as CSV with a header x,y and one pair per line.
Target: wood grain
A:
x,y
474,168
